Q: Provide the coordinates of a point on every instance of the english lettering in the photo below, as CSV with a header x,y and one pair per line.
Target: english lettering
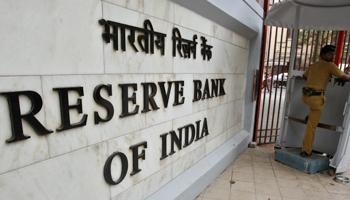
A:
x,y
16,117
222,89
206,90
136,156
179,92
107,168
65,107
165,95
164,147
149,98
197,85
187,130
126,98
205,130
103,102
214,87
215,83
197,131
150,90
177,139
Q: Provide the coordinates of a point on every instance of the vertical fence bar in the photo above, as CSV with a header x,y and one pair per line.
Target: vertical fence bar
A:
x,y
262,67
296,52
272,69
307,48
312,47
263,106
275,99
322,35
336,38
347,50
331,35
260,130
327,37
344,52
316,45
332,38
339,49
280,100
271,72
301,49
303,55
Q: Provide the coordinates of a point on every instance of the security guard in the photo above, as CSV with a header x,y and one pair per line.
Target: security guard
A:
x,y
318,76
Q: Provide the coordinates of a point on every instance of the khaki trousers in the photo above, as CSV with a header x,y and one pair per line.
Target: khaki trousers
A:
x,y
316,104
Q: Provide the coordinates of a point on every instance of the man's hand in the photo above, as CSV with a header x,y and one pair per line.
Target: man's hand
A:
x,y
340,82
345,77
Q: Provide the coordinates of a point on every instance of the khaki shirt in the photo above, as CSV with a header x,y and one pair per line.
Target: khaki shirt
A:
x,y
319,73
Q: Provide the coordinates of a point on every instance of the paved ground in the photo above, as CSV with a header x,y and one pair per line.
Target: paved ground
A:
x,y
255,175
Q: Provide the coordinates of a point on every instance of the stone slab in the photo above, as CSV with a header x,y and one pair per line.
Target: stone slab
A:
x,y
193,181
310,164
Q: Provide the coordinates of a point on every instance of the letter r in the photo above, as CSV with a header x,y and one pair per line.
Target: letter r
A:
x,y
16,117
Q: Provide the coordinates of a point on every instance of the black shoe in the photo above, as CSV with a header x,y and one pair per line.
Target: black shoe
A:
x,y
304,154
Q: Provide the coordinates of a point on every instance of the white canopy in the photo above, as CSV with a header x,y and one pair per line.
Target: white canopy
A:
x,y
310,14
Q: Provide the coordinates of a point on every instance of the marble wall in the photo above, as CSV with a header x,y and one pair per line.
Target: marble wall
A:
x,y
58,44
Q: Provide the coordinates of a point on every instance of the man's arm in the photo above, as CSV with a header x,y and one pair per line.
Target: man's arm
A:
x,y
345,77
341,80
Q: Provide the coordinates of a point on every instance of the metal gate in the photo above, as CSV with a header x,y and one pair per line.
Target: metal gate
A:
x,y
274,70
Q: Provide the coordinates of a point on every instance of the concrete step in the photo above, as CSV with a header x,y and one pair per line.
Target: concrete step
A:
x,y
310,164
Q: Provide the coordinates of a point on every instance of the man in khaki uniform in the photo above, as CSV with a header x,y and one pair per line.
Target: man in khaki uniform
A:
x,y
318,76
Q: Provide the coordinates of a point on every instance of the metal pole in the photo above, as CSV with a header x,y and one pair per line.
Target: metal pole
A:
x,y
301,49
347,50
339,47
286,108
274,104
316,45
272,69
279,107
266,9
307,48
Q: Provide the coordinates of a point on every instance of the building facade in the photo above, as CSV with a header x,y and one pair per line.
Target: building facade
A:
x,y
122,99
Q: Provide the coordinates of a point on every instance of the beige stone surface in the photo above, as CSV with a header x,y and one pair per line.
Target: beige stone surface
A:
x,y
284,183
